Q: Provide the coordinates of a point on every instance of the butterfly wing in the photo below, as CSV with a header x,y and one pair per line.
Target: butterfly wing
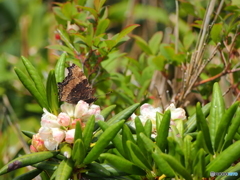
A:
x,y
75,87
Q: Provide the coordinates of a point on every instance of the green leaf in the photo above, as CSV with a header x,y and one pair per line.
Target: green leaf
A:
x,y
30,86
99,169
216,112
79,152
140,129
78,131
88,132
148,128
126,31
110,44
162,131
187,152
199,164
91,10
81,2
223,126
60,68
107,111
47,165
177,167
204,127
139,126
29,175
64,170
188,40
66,150
125,114
37,80
216,33
126,136
26,160
103,141
155,41
142,44
232,129
149,144
123,164
28,133
163,166
65,37
159,62
52,92
167,51
191,123
98,4
137,156
61,48
117,140
102,26
171,146
224,160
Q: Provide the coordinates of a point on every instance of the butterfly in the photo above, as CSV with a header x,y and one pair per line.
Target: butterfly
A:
x,y
75,87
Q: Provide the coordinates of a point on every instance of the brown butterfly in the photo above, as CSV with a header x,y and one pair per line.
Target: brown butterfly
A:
x,y
75,87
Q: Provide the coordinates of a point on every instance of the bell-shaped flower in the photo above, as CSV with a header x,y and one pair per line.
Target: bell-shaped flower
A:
x,y
147,112
84,111
176,113
52,137
50,144
49,120
63,119
70,136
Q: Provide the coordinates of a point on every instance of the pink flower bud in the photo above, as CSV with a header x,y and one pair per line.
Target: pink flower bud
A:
x,y
70,136
63,119
37,144
33,149
74,122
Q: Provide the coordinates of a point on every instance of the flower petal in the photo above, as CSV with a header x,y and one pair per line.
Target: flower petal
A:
x,y
63,119
68,108
49,120
81,109
70,136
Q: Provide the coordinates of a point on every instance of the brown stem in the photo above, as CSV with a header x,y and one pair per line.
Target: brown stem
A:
x,y
216,76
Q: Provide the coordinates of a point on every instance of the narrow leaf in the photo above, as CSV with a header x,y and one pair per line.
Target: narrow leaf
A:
x,y
33,73
60,68
123,164
216,112
103,141
162,131
30,86
64,169
52,92
126,31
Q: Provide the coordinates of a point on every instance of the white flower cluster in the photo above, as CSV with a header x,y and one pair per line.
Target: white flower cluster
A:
x,y
56,129
148,112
